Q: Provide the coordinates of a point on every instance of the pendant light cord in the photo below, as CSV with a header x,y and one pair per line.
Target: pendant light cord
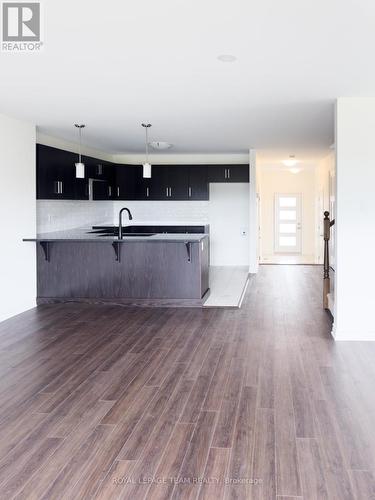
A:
x,y
80,145
146,144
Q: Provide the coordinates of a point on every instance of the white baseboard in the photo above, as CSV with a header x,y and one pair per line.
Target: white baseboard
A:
x,y
350,336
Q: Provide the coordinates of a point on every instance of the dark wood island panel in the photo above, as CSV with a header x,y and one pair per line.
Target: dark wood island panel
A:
x,y
148,273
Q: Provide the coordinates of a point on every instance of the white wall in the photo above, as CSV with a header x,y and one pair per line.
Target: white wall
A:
x,y
280,180
254,213
17,216
229,219
355,216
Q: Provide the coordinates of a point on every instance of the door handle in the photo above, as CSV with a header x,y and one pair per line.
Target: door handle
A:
x,y
118,192
147,192
58,187
225,173
167,192
189,192
228,173
170,192
109,191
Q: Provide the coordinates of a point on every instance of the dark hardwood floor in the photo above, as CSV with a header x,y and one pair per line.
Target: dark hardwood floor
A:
x,y
257,403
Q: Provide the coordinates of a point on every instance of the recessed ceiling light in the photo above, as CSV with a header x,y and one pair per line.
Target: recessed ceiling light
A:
x,y
160,145
227,58
291,161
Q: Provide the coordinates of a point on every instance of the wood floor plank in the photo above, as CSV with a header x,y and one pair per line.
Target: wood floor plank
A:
x,y
228,410
113,484
213,481
199,391
287,478
215,391
167,473
271,403
239,470
363,484
196,456
143,430
263,465
311,470
39,483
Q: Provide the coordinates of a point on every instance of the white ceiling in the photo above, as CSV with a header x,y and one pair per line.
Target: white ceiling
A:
x,y
115,64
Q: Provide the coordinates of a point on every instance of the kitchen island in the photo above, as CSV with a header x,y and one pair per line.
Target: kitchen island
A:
x,y
82,265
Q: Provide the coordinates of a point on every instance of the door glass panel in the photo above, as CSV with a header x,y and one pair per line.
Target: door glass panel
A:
x,y
288,215
288,201
287,241
288,228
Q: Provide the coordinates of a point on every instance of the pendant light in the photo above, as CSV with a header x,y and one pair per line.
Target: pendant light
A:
x,y
146,165
80,167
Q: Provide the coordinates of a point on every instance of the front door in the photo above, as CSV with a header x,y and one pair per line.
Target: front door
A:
x,y
287,223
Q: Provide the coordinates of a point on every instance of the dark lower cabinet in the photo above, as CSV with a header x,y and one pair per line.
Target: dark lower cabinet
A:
x,y
56,179
228,173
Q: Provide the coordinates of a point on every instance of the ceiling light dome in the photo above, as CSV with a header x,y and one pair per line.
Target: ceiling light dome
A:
x,y
291,161
227,58
160,145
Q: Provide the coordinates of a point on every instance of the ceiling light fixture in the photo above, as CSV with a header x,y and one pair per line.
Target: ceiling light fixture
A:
x,y
80,167
291,161
160,145
227,58
294,170
146,165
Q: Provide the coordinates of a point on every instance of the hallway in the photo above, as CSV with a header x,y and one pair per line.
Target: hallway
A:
x,y
258,402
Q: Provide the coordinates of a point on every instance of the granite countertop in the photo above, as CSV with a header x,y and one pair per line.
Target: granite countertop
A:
x,y
85,234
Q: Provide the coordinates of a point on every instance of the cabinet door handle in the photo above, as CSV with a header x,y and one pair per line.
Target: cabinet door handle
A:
x,y
170,192
56,187
147,192
109,190
167,192
118,191
100,169
189,192
228,173
225,173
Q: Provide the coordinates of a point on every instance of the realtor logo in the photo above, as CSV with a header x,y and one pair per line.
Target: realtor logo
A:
x,y
21,27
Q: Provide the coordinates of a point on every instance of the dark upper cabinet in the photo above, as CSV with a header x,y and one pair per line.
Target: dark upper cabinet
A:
x,y
178,182
197,183
228,173
101,190
56,179
55,173
125,184
159,184
98,169
169,182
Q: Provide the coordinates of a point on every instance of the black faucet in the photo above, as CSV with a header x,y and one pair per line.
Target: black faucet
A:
x,y
120,235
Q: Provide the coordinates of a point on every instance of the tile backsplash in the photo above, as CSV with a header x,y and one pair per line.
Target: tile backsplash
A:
x,y
56,215
165,211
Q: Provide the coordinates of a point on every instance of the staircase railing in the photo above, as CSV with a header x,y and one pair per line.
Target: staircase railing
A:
x,y
328,223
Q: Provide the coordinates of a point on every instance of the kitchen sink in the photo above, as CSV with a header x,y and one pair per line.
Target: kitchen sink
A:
x,y
126,235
